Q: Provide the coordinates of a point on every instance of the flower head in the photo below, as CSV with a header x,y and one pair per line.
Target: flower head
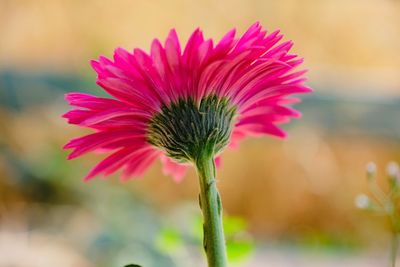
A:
x,y
174,103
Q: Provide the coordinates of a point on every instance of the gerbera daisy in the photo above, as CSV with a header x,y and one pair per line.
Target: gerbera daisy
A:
x,y
186,107
171,103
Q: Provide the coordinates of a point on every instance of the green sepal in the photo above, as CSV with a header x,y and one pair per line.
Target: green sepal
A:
x,y
185,129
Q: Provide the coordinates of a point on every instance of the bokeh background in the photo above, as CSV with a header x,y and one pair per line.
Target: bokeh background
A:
x,y
288,203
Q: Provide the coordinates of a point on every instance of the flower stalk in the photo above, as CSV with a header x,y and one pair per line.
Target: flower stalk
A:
x,y
210,203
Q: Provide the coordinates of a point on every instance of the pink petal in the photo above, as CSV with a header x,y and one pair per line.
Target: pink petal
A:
x,y
257,129
139,163
112,163
218,161
94,141
176,170
92,102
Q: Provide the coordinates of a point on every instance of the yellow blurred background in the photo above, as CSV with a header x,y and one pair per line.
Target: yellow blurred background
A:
x,y
296,196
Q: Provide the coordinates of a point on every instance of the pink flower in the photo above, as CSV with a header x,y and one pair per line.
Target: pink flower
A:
x,y
164,100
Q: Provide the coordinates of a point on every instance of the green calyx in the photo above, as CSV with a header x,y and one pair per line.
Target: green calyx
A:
x,y
186,129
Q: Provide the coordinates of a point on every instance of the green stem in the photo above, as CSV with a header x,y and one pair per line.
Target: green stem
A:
x,y
210,203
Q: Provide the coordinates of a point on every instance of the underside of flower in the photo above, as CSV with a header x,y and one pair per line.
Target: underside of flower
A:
x,y
186,129
177,103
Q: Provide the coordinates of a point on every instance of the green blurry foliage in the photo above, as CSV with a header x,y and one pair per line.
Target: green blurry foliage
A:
x,y
240,244
384,201
170,240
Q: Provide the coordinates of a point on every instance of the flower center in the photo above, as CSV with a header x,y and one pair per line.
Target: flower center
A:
x,y
185,129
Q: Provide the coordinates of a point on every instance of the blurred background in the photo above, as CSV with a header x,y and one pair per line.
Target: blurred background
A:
x,y
288,203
